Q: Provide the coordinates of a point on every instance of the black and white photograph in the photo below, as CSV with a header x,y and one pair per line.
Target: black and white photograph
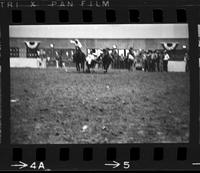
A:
x,y
0,84
97,84
199,64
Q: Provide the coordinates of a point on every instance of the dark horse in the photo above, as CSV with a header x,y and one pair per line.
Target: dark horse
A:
x,y
79,59
106,59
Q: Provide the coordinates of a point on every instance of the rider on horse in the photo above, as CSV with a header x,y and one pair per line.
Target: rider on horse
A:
x,y
79,56
130,58
77,44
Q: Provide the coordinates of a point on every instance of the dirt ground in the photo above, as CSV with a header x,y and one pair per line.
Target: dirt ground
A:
x,y
51,106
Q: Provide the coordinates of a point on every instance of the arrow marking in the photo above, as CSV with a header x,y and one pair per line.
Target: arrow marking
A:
x,y
21,165
114,164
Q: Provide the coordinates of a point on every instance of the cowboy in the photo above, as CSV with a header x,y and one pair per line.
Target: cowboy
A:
x,y
40,58
57,59
165,61
91,60
122,58
77,44
60,59
91,56
186,59
161,57
130,58
43,58
78,56
153,61
115,56
144,60
151,56
157,59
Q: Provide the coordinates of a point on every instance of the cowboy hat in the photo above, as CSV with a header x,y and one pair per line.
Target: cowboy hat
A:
x,y
114,47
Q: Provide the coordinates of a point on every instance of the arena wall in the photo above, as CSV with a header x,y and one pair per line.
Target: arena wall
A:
x,y
146,44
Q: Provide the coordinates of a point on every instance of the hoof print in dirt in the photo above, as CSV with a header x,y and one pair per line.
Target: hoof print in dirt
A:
x,y
57,134
26,91
44,110
101,109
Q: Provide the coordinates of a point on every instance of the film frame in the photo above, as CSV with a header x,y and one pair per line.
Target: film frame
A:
x,y
94,156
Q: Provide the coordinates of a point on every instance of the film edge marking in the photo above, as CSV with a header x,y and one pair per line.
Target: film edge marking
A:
x,y
196,163
62,3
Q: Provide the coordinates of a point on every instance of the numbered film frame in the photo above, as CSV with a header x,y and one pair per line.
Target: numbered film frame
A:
x,y
153,156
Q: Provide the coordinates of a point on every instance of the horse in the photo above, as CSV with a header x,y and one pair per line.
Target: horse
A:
x,y
130,60
92,60
106,60
91,65
79,59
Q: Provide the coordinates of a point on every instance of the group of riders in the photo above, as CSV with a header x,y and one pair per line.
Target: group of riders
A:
x,y
145,60
150,61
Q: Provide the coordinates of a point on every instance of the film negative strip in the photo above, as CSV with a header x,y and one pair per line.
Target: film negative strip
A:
x,y
99,85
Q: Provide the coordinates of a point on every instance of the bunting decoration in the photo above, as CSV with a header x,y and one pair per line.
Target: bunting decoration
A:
x,y
32,48
32,44
169,45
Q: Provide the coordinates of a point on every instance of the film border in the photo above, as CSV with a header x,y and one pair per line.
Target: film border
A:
x,y
122,150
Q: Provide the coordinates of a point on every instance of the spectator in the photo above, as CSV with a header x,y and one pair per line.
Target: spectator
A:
x,y
57,58
43,58
122,61
165,61
161,56
157,60
60,60
153,62
115,57
186,59
130,58
144,58
150,62
39,61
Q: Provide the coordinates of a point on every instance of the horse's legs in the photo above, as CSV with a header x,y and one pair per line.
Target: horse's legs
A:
x,y
129,65
83,66
106,68
78,67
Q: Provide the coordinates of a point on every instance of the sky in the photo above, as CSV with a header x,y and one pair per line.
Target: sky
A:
x,y
104,31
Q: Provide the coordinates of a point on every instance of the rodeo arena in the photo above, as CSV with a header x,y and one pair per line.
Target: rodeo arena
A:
x,y
99,83
149,55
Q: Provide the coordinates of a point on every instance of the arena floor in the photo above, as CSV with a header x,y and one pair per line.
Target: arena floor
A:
x,y
51,106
